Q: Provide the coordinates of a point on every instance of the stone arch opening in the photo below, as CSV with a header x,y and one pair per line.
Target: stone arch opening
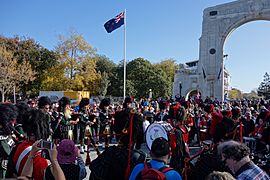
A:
x,y
236,26
193,93
246,69
218,23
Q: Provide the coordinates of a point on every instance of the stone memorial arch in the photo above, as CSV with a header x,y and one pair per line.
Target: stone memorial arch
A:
x,y
218,22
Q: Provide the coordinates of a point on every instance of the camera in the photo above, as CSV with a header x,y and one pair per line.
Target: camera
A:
x,y
46,144
45,154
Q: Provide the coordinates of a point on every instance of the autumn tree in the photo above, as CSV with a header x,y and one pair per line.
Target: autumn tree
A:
x,y
235,94
73,50
40,59
77,64
12,73
87,78
55,79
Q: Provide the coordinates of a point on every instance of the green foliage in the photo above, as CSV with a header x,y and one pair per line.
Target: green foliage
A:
x,y
104,84
168,66
116,81
264,88
104,64
130,88
74,65
108,70
145,76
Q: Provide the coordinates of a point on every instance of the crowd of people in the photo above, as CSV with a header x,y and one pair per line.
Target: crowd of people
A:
x,y
45,140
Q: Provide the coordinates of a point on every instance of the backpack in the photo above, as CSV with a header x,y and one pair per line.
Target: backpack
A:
x,y
71,171
151,173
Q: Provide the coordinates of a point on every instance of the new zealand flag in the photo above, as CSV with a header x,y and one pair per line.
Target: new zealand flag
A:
x,y
115,23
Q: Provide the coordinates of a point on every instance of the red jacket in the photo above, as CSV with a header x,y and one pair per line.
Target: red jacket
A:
x,y
39,166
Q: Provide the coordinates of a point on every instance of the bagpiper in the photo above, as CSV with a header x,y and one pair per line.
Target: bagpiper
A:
x,y
113,163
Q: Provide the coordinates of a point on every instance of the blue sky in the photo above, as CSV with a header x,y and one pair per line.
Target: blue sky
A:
x,y
156,30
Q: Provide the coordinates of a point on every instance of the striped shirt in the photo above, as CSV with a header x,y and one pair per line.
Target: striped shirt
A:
x,y
20,158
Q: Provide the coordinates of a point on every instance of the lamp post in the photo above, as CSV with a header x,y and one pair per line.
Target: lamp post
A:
x,y
150,93
222,76
180,89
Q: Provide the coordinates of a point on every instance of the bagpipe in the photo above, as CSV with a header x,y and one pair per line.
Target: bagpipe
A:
x,y
90,141
15,135
66,128
106,122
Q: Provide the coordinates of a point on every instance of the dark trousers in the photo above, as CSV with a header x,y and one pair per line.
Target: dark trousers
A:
x,y
95,132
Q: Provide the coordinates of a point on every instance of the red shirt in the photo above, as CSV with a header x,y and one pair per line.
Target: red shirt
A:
x,y
189,121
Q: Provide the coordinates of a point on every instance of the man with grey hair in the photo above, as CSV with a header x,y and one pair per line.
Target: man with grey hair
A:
x,y
235,155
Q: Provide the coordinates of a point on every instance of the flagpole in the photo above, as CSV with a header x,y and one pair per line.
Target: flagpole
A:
x,y
125,53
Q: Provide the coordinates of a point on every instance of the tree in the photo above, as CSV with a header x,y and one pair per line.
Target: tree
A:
x,y
40,59
264,88
104,84
235,94
107,68
73,50
12,73
145,76
168,66
252,95
79,59
55,79
87,76
104,64
130,88
117,81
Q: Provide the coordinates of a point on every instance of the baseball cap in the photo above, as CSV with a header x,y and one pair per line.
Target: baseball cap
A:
x,y
160,147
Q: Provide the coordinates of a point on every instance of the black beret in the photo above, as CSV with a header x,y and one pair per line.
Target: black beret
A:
x,y
43,101
104,102
84,102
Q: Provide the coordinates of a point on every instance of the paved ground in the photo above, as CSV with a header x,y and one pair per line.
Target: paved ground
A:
x,y
93,155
